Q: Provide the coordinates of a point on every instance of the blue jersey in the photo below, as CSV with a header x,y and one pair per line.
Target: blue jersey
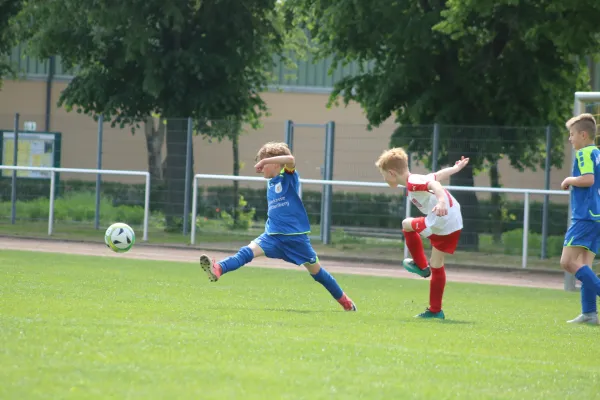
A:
x,y
585,201
286,214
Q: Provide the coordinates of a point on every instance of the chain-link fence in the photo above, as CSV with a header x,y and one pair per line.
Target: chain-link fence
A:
x,y
173,150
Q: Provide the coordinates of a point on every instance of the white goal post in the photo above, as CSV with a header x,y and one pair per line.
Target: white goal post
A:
x,y
53,172
581,98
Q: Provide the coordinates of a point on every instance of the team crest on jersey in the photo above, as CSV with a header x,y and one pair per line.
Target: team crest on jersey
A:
x,y
278,188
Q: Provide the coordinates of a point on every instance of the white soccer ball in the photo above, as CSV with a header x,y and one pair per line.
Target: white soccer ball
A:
x,y
119,237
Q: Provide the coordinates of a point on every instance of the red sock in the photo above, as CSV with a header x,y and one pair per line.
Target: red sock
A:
x,y
436,288
415,246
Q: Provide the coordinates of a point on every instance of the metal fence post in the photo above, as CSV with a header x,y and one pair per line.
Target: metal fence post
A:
x,y
13,192
546,197
436,147
99,166
147,206
52,196
289,140
194,209
525,231
407,205
188,178
289,134
570,281
326,206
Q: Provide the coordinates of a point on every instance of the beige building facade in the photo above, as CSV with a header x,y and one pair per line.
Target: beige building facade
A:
x,y
356,148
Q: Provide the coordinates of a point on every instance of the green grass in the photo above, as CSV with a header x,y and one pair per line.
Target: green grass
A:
x,y
74,327
212,235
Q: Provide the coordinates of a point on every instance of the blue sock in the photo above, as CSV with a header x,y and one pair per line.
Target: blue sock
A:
x,y
588,300
243,257
325,279
588,279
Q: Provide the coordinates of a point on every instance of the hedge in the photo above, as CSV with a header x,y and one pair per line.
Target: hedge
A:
x,y
372,210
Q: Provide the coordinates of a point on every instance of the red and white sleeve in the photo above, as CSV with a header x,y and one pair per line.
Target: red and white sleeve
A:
x,y
419,183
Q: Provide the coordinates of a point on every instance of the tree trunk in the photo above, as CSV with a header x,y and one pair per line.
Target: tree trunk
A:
x,y
175,173
155,138
469,239
496,204
236,171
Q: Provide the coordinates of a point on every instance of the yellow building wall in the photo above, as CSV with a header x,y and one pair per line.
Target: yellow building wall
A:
x,y
356,148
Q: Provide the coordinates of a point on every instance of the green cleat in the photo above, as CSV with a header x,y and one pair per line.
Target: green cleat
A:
x,y
429,314
410,266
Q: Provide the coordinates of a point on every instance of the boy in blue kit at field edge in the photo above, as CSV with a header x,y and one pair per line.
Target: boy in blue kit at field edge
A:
x,y
287,227
583,236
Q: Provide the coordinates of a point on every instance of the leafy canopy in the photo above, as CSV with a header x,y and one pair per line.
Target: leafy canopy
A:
x,y
460,62
199,59
8,10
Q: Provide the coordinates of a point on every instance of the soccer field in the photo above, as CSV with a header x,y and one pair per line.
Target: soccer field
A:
x,y
82,327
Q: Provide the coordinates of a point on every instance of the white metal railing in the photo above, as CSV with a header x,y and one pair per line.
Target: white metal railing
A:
x,y
525,192
53,172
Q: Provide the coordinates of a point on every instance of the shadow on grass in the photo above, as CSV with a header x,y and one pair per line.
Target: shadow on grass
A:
x,y
286,310
439,321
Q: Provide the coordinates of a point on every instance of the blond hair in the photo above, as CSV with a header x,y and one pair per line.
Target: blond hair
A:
x,y
583,123
394,159
273,149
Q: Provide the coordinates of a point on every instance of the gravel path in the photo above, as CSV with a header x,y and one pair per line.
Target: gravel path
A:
x,y
147,252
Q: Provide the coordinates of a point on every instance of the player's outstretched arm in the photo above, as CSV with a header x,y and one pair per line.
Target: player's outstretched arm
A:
x,y
586,180
447,172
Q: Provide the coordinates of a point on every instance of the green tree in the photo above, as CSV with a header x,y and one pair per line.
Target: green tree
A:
x,y
178,59
8,10
296,46
460,63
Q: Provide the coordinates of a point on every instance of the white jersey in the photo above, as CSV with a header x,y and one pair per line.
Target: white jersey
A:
x,y
425,201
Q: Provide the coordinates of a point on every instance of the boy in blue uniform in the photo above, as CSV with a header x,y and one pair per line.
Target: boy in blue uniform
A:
x,y
287,227
582,237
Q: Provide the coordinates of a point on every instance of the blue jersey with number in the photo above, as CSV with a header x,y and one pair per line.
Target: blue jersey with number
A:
x,y
585,201
286,214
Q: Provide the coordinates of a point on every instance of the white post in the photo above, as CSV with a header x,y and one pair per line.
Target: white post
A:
x,y
146,207
194,209
525,230
406,215
51,210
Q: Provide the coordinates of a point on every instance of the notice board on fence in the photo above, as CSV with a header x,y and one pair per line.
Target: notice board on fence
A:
x,y
35,149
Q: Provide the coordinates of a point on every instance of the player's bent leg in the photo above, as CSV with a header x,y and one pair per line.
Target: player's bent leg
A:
x,y
321,275
571,262
576,260
570,259
437,284
407,224
589,308
215,270
411,228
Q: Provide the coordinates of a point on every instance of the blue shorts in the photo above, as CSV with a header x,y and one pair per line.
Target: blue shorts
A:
x,y
295,249
583,233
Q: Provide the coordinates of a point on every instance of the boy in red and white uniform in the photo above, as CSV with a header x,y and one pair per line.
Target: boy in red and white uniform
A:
x,y
441,224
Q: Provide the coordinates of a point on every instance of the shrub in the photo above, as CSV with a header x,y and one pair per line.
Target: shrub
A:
x,y
513,243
